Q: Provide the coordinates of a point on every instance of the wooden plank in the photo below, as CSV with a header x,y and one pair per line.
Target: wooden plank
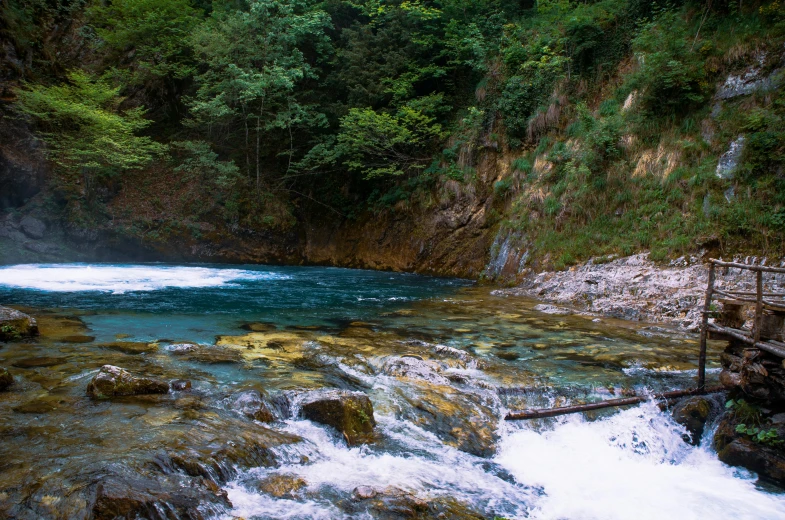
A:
x,y
768,346
772,306
760,268
752,293
610,403
731,301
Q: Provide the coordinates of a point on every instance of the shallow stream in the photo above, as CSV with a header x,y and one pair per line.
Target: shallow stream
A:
x,y
441,360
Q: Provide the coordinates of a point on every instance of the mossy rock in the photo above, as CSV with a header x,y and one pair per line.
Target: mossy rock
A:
x,y
16,325
692,413
114,381
351,413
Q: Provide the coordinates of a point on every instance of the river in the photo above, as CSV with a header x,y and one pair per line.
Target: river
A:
x,y
442,361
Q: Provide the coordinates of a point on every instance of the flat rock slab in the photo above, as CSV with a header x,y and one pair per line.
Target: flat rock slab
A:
x,y
39,362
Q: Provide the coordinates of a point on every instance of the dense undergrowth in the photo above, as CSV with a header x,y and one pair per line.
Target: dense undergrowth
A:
x,y
166,114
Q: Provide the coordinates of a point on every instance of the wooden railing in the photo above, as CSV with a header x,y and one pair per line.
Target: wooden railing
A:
x,y
772,302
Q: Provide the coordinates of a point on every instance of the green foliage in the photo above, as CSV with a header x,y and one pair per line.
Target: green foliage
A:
x,y
744,411
750,418
253,61
200,160
502,187
84,128
380,144
9,333
156,32
369,105
769,437
672,73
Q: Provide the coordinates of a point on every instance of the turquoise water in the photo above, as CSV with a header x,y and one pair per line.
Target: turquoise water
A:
x,y
442,361
198,302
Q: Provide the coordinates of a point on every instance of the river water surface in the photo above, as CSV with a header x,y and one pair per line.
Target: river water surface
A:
x,y
441,360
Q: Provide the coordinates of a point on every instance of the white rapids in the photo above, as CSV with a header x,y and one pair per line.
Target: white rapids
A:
x,y
633,464
120,279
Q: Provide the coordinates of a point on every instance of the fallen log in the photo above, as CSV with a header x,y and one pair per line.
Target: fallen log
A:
x,y
610,403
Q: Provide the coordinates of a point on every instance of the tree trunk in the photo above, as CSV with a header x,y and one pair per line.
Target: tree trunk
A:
x,y
258,145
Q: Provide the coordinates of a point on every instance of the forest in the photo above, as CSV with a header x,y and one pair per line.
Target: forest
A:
x,y
604,115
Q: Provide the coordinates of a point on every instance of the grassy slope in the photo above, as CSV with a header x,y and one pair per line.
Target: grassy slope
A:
x,y
630,165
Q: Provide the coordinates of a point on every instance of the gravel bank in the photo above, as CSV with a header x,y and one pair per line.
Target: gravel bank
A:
x,y
635,288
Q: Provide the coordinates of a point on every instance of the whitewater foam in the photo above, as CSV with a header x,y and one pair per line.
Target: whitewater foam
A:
x,y
119,279
630,465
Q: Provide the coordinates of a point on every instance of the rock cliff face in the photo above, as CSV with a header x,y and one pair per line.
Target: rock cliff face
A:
x,y
451,237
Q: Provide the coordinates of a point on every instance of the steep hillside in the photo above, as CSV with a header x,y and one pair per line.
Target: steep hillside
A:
x,y
449,137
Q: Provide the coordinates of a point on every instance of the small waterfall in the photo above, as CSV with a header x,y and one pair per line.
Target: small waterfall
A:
x,y
508,256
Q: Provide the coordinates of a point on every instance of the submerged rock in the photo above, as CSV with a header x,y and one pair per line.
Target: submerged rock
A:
x,y
281,486
180,385
77,338
415,368
212,355
41,405
6,379
114,381
131,347
394,503
15,324
692,413
39,362
463,420
258,327
351,413
172,496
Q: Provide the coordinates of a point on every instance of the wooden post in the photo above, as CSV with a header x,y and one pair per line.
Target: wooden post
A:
x,y
705,329
759,305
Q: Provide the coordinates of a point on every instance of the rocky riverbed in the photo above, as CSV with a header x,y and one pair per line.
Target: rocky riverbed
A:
x,y
161,409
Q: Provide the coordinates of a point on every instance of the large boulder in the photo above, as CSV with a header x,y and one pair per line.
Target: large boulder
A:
x,y
32,227
112,381
692,413
736,449
6,379
351,413
15,324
